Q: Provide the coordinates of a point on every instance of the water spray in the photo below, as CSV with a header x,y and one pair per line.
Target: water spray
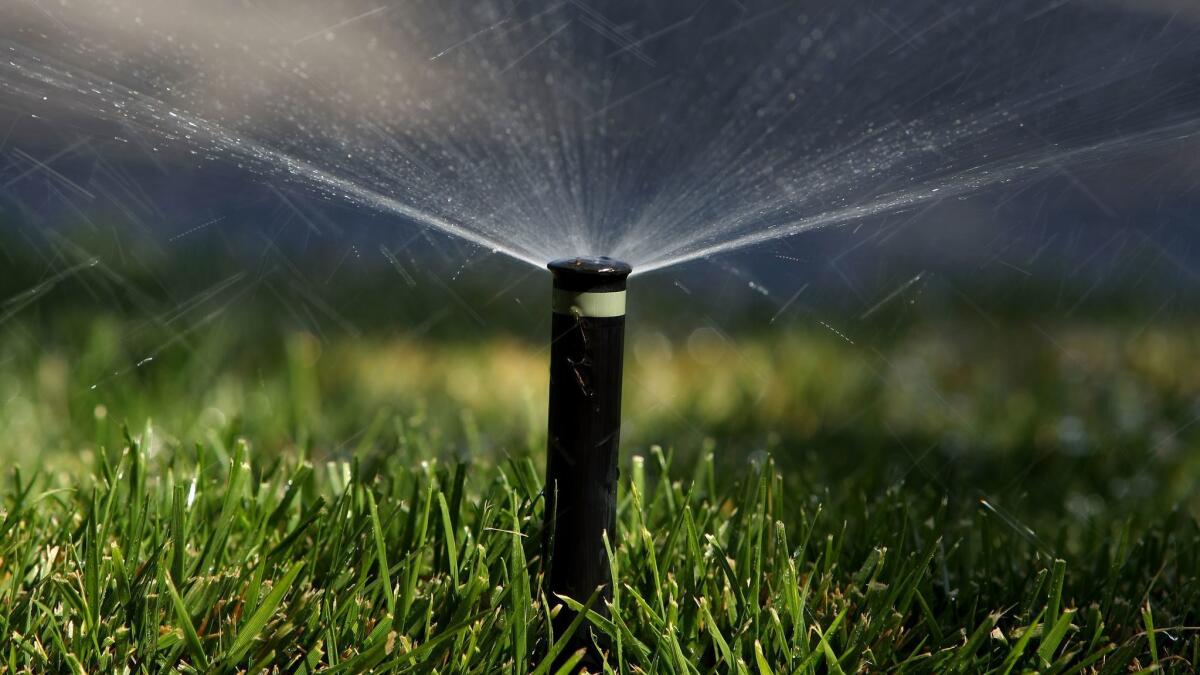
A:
x,y
586,355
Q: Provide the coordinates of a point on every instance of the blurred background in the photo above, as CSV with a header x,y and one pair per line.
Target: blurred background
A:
x,y
1030,341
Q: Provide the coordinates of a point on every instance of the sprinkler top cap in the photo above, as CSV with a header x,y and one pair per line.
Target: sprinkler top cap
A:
x,y
590,275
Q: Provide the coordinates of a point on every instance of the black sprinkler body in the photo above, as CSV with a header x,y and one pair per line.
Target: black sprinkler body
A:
x,y
586,355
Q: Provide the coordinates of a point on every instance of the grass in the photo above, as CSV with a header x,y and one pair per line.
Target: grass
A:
x,y
226,562
326,506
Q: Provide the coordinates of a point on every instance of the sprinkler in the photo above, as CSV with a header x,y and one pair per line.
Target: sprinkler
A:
x,y
586,354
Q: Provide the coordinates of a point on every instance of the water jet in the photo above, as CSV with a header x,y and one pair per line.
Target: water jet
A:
x,y
586,356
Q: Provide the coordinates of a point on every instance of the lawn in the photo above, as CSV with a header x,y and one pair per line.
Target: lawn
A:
x,y
283,501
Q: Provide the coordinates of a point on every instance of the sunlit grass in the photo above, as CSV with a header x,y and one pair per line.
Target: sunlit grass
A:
x,y
939,503
227,561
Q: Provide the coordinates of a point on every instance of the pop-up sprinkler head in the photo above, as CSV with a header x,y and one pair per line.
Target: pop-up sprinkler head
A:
x,y
586,354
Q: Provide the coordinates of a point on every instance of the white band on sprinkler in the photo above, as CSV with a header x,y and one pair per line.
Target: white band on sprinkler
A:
x,y
593,305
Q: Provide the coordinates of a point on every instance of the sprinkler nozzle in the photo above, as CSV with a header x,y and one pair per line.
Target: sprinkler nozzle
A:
x,y
586,357
590,287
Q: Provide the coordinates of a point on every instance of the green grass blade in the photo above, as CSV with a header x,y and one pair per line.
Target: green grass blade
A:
x,y
449,534
183,617
1151,638
764,668
1054,637
1018,648
561,641
262,615
381,554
